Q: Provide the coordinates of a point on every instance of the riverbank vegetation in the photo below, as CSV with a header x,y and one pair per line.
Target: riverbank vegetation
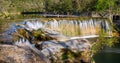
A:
x,y
77,7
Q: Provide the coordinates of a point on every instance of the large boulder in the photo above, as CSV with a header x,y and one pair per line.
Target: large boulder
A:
x,y
76,45
58,50
18,54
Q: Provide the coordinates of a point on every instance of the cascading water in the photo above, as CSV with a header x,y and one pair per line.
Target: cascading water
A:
x,y
73,27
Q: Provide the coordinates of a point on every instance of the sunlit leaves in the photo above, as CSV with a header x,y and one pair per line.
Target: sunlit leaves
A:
x,y
102,42
103,5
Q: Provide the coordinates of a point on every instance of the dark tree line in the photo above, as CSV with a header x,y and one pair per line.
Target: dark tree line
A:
x,y
67,6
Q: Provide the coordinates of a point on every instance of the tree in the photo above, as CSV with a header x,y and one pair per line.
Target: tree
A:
x,y
67,6
102,5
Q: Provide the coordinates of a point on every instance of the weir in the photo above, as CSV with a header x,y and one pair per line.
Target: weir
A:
x,y
90,27
49,37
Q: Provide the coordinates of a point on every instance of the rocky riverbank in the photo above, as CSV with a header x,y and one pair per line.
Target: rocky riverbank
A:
x,y
36,44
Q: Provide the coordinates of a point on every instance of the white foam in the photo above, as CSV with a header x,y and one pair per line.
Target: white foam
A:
x,y
89,36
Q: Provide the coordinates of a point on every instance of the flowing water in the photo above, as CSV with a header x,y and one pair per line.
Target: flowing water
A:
x,y
75,28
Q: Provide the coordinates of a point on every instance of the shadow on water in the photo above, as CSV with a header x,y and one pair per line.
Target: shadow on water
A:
x,y
109,55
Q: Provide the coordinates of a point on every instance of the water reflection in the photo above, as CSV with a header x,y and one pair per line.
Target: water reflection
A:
x,y
109,55
105,57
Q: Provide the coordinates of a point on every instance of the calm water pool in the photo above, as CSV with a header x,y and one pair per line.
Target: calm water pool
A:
x,y
107,58
111,55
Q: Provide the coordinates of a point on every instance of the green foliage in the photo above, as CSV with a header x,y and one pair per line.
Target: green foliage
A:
x,y
82,5
67,6
68,54
48,5
59,6
21,5
13,7
102,42
103,5
56,6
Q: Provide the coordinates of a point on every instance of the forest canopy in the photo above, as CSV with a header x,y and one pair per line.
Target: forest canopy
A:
x,y
57,6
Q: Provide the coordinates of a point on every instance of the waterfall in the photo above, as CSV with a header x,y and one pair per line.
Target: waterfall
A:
x,y
73,27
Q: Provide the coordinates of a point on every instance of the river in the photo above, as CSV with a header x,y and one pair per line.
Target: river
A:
x,y
108,55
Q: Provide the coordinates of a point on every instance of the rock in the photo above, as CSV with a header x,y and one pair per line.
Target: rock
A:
x,y
49,48
75,46
17,54
42,34
78,45
5,39
54,34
